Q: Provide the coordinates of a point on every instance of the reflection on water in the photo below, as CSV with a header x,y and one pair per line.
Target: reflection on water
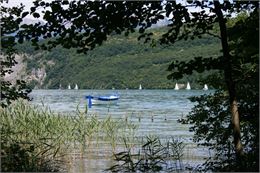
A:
x,y
155,112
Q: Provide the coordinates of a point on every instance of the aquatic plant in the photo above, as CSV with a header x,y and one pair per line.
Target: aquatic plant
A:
x,y
153,156
34,138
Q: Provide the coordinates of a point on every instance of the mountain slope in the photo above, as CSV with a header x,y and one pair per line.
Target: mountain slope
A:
x,y
119,63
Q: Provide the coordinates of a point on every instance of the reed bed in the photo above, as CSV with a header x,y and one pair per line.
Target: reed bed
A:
x,y
152,155
37,139
36,133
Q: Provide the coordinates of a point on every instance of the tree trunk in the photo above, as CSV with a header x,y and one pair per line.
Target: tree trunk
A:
x,y
229,81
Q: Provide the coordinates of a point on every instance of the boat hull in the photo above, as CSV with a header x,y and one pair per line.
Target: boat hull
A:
x,y
102,100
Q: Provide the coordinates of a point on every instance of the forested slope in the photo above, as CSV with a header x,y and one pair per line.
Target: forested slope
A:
x,y
121,62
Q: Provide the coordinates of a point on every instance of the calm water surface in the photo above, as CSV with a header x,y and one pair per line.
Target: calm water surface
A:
x,y
154,111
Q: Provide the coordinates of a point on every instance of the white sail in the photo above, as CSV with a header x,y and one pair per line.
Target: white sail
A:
x,y
205,87
76,87
188,86
176,87
140,87
69,87
60,87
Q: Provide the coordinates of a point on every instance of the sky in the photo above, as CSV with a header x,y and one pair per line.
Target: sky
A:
x,y
29,3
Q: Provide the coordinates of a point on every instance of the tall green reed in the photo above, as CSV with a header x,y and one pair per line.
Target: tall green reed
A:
x,y
154,155
46,137
24,126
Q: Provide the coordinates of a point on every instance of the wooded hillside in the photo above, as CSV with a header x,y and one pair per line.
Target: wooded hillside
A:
x,y
122,62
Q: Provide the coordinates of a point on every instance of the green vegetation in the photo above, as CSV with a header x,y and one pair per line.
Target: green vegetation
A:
x,y
37,140
10,91
233,110
211,123
154,155
119,63
233,140
32,138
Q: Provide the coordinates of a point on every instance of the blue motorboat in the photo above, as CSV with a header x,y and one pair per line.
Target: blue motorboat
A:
x,y
101,100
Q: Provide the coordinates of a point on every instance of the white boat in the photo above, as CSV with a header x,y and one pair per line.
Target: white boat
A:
x,y
188,86
140,87
176,87
102,100
76,87
69,87
205,87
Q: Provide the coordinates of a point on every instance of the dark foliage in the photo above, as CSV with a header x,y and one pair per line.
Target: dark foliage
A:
x,y
9,25
211,119
17,157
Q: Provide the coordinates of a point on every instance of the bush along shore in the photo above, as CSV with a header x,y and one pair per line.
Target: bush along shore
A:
x,y
35,139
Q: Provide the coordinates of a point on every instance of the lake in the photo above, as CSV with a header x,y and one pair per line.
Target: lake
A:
x,y
155,112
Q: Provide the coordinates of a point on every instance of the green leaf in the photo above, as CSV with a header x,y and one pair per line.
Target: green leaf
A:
x,y
25,14
33,9
36,15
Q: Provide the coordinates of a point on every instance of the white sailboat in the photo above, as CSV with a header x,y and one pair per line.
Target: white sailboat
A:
x,y
76,87
205,87
69,87
188,86
176,87
140,87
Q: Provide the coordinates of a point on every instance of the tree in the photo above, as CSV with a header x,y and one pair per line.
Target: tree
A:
x,y
9,25
85,24
210,118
